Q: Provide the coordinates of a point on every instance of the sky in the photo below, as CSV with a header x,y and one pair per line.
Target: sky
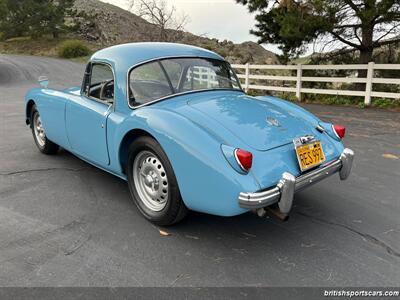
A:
x,y
221,19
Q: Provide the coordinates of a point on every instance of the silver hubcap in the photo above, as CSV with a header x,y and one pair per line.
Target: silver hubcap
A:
x,y
39,130
150,180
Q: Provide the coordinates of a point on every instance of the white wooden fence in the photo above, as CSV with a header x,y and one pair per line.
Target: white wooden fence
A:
x,y
299,78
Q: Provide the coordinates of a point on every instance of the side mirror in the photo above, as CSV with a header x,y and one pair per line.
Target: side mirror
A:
x,y
43,81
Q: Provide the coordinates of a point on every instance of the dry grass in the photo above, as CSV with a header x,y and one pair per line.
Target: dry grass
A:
x,y
45,46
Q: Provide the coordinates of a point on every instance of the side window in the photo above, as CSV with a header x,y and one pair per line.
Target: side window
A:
x,y
101,85
148,82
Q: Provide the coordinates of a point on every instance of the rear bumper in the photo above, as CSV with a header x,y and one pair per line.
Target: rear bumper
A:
x,y
284,191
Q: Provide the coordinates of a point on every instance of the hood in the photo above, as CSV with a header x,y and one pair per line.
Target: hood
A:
x,y
258,123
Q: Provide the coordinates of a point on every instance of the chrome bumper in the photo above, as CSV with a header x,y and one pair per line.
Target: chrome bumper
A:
x,y
284,191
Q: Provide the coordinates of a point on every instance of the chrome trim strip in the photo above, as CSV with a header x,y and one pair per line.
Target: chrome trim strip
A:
x,y
320,128
180,94
335,133
238,161
284,191
177,94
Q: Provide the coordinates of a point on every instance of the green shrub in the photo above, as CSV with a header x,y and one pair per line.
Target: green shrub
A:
x,y
72,49
385,103
340,100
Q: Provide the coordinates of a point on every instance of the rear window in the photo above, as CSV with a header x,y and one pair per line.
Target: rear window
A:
x,y
159,79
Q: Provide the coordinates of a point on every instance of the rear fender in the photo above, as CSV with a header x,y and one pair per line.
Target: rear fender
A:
x,y
206,180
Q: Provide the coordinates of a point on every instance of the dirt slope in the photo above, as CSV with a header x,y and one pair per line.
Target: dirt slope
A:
x,y
107,24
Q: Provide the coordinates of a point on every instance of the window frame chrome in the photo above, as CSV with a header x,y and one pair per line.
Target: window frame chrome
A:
x,y
87,96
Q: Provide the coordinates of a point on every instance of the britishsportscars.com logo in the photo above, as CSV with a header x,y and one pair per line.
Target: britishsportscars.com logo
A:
x,y
361,293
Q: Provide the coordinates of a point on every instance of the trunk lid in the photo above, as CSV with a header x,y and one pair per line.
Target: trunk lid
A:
x,y
259,124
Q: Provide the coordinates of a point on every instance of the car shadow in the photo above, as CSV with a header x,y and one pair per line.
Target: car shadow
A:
x,y
241,231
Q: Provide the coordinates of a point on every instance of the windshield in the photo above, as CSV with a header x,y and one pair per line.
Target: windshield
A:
x,y
162,78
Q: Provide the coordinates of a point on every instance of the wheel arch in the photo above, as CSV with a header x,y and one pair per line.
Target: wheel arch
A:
x,y
126,141
28,111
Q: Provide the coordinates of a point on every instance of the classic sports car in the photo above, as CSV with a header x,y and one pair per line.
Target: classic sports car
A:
x,y
174,122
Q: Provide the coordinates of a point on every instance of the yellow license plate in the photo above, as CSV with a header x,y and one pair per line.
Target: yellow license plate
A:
x,y
310,155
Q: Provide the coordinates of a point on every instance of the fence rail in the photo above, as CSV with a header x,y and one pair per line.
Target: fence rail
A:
x,y
369,80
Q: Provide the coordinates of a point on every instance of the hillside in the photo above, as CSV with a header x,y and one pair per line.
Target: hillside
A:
x,y
105,24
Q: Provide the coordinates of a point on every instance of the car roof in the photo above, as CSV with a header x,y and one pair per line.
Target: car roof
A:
x,y
127,55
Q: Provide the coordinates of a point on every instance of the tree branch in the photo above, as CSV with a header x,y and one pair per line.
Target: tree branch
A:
x,y
387,33
349,26
352,5
347,42
358,38
387,42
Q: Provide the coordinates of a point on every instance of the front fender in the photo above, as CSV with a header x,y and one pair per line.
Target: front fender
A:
x,y
206,180
31,95
51,106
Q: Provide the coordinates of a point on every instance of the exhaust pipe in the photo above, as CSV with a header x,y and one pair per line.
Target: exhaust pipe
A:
x,y
272,211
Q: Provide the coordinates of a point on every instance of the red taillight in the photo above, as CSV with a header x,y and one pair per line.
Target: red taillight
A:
x,y
244,159
339,130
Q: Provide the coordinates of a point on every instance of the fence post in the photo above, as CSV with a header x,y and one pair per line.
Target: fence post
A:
x,y
298,82
368,85
246,83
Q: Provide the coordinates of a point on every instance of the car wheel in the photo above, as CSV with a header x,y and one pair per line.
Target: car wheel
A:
x,y
152,183
39,135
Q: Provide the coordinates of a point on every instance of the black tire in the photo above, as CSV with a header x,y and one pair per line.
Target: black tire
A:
x,y
46,146
174,210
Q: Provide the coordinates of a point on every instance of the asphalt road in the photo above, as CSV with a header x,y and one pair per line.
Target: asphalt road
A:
x,y
66,223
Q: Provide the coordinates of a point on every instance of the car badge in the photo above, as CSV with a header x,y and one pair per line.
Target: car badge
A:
x,y
273,122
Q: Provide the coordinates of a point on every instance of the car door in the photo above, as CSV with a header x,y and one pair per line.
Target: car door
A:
x,y
86,114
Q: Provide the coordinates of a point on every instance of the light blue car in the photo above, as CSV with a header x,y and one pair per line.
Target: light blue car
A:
x,y
173,121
